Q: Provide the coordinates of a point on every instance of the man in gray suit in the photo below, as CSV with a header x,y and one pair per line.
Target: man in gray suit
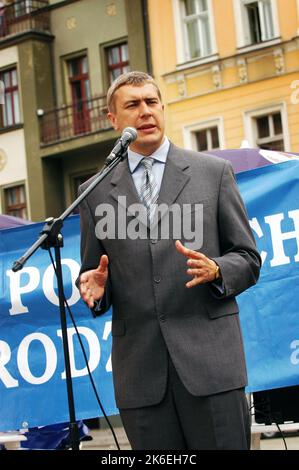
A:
x,y
177,354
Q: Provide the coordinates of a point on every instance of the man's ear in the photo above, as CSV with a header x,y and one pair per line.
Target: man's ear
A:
x,y
112,118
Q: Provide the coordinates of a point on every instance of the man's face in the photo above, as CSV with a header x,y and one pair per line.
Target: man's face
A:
x,y
139,107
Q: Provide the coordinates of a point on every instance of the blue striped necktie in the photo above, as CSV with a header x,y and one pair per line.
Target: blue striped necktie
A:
x,y
149,189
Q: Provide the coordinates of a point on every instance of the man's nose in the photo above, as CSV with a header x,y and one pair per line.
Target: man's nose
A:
x,y
144,109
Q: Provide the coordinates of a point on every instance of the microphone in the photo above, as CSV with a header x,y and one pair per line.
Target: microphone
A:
x,y
129,134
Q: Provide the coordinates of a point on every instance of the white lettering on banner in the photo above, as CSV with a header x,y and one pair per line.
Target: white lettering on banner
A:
x,y
107,331
16,290
274,221
48,282
255,226
94,347
20,286
23,358
295,354
5,355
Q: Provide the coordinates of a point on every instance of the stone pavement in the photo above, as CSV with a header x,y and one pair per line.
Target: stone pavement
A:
x,y
103,440
276,443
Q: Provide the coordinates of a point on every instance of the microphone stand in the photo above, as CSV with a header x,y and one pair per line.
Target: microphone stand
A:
x,y
50,237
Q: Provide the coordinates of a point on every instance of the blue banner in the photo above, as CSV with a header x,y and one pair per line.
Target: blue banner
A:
x,y
32,375
32,372
270,310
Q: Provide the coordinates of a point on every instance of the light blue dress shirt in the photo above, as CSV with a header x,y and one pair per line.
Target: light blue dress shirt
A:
x,y
159,156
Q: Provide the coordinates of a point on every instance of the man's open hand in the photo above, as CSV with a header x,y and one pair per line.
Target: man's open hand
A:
x,y
93,282
202,268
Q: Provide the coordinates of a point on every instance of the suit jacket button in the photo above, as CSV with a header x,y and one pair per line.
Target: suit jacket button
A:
x,y
157,279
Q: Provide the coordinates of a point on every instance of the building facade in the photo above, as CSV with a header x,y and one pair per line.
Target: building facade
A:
x,y
57,59
229,71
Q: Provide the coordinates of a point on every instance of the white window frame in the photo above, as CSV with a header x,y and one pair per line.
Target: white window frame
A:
x,y
24,7
182,38
190,130
12,186
16,108
250,126
242,25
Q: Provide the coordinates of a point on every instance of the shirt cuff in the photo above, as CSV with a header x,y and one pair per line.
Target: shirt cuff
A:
x,y
218,284
97,305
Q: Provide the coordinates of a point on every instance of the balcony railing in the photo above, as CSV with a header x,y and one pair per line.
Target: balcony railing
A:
x,y
24,15
74,120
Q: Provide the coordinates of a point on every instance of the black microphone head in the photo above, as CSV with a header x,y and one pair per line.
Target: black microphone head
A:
x,y
129,134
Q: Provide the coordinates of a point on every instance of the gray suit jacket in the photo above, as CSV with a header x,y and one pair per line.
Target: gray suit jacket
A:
x,y
153,312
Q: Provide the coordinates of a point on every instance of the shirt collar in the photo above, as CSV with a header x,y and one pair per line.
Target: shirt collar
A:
x,y
160,154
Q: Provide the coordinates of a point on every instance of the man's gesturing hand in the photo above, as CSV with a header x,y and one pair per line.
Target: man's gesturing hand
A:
x,y
202,269
92,283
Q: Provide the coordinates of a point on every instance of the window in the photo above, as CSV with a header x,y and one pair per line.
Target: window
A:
x,y
80,91
207,139
15,201
205,135
269,132
22,7
260,20
117,61
255,21
267,128
10,111
196,28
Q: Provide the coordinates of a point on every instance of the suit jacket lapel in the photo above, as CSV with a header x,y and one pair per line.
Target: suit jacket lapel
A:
x,y
123,184
174,180
124,190
175,176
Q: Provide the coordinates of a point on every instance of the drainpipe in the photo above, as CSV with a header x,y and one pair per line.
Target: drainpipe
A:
x,y
148,51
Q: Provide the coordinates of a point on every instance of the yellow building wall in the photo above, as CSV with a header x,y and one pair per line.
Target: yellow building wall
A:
x,y
288,18
225,29
162,35
231,85
231,105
